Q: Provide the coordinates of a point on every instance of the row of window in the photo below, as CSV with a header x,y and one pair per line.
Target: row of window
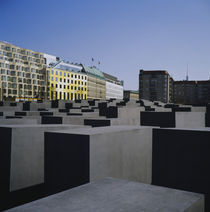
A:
x,y
21,51
14,91
68,87
27,75
69,75
69,81
22,57
6,65
66,95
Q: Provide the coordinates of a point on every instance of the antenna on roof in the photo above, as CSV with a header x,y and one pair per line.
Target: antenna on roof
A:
x,y
187,77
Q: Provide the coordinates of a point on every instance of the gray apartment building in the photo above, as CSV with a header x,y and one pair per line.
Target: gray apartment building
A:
x,y
155,85
192,92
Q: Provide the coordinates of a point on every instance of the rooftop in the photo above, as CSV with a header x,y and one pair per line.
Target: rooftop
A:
x,y
93,71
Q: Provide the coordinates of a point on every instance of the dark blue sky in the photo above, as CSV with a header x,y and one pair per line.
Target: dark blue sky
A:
x,y
125,35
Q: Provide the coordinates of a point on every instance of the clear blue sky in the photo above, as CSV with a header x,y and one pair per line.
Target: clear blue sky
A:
x,y
125,35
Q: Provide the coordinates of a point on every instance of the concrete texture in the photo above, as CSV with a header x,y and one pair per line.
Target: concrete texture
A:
x,y
111,195
117,151
181,160
27,153
18,121
190,119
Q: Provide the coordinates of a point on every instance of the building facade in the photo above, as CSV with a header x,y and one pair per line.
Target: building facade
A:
x,y
23,73
114,87
30,75
155,85
192,92
66,82
96,84
129,94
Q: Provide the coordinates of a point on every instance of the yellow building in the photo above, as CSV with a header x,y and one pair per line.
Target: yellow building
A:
x,y
65,81
22,73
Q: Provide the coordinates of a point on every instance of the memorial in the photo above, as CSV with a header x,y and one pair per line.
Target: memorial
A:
x,y
181,160
110,195
84,155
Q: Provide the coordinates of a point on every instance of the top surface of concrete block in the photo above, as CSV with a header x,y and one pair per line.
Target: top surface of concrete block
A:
x,y
40,125
192,129
101,130
111,195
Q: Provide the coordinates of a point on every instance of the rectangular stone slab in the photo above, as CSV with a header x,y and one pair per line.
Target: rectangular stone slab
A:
x,y
22,153
97,122
181,160
161,119
116,151
111,195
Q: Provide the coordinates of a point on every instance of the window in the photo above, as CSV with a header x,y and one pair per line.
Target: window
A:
x,y
60,73
12,67
60,79
52,72
52,78
64,80
56,73
3,71
56,79
51,85
64,86
3,78
60,86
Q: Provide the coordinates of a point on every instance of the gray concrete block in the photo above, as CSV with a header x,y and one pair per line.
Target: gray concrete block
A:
x,y
18,121
26,153
111,195
116,151
190,119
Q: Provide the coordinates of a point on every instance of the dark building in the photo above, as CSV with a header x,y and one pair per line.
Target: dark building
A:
x,y
155,85
192,92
